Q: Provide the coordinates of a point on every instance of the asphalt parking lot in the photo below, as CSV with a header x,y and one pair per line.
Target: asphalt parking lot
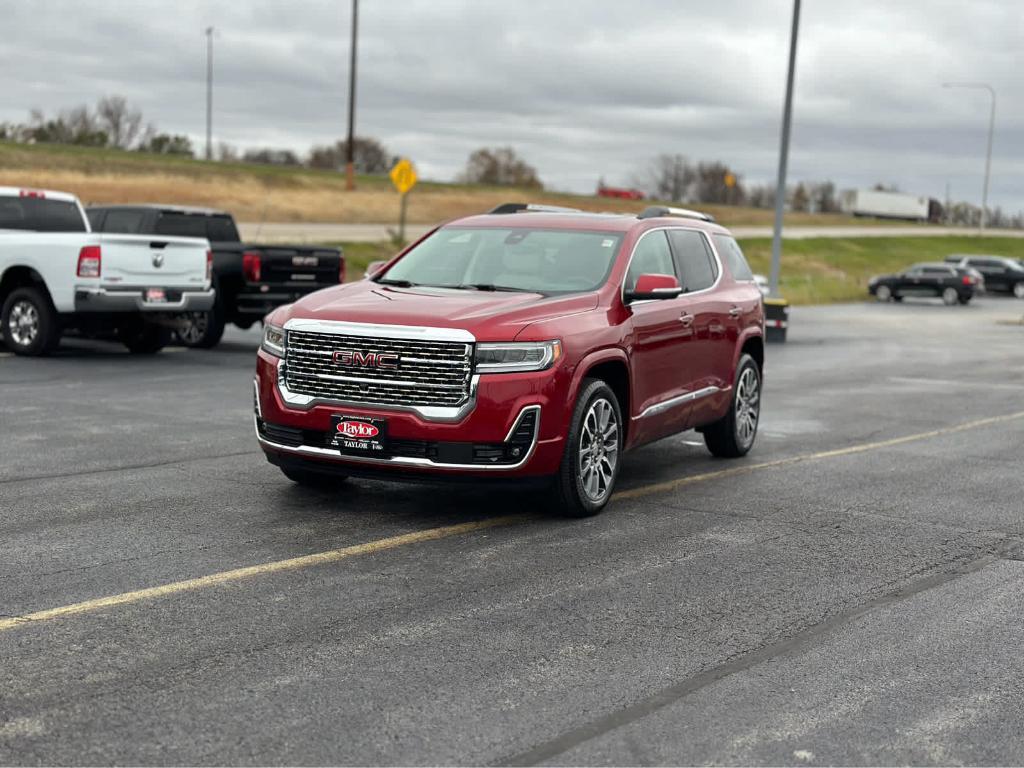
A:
x,y
851,592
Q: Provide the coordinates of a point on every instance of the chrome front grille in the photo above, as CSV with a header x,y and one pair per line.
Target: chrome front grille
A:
x,y
427,373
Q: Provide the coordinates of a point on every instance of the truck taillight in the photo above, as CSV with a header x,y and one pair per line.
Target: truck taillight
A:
x,y
251,266
341,270
89,261
209,266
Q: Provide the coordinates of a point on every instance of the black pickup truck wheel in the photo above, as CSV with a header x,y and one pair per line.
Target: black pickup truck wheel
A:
x,y
201,330
145,338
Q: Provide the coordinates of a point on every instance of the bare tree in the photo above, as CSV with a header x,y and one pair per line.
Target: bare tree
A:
x,y
500,166
370,156
121,122
668,177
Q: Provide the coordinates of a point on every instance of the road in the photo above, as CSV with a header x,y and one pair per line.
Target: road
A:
x,y
280,232
850,593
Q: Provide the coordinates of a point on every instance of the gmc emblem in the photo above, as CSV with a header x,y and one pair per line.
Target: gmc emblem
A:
x,y
366,359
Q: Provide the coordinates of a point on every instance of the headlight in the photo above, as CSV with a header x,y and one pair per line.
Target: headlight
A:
x,y
275,340
517,356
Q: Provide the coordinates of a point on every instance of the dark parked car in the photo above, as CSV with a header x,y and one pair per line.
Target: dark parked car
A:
x,y
250,280
949,282
1001,273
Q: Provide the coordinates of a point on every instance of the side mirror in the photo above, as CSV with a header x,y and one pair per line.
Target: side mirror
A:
x,y
650,287
374,267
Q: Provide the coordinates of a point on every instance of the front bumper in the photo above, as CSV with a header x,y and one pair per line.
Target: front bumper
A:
x,y
133,300
515,428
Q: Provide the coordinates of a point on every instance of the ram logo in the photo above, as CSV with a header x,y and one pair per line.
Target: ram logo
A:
x,y
366,359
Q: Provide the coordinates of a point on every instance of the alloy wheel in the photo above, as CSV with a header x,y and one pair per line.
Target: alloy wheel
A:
x,y
194,328
23,324
598,450
748,407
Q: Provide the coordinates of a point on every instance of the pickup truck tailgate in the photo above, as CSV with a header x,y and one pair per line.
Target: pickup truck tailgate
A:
x,y
298,265
155,260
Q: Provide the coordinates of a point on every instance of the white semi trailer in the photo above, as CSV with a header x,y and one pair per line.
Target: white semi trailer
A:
x,y
884,205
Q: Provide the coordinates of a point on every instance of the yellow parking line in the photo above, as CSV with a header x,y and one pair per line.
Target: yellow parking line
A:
x,y
444,532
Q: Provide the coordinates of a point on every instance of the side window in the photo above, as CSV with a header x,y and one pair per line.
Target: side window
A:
x,y
652,256
733,257
124,222
694,258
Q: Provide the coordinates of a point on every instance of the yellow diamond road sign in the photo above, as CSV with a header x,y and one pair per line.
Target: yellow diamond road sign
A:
x,y
403,176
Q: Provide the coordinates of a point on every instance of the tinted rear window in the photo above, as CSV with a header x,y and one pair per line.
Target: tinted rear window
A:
x,y
222,230
181,224
733,257
40,215
125,222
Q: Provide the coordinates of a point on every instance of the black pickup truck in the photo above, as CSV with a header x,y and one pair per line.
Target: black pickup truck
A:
x,y
250,279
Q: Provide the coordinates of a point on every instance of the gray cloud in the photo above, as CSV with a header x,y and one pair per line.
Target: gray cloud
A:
x,y
583,88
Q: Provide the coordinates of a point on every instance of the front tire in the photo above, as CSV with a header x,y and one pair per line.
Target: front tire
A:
x,y
883,293
30,323
1018,290
590,464
145,338
733,435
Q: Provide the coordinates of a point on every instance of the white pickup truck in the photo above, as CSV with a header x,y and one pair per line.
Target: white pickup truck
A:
x,y
58,275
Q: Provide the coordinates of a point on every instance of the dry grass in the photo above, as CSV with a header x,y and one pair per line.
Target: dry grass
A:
x,y
268,193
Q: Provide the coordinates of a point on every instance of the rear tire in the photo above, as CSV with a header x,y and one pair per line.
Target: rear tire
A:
x,y
590,464
30,323
309,479
950,297
733,435
145,338
204,329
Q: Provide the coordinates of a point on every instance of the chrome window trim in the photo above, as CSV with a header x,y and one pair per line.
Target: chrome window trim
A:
x,y
382,331
405,461
672,402
684,293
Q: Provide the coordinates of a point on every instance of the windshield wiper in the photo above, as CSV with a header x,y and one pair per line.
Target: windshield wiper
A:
x,y
397,283
490,287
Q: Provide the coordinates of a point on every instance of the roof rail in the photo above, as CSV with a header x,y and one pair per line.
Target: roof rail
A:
x,y
532,208
654,211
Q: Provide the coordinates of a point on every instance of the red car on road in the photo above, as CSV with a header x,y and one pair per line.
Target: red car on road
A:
x,y
533,344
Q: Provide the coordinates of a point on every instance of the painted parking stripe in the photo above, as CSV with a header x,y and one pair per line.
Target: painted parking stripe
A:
x,y
448,531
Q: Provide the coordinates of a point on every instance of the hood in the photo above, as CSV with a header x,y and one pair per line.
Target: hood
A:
x,y
488,315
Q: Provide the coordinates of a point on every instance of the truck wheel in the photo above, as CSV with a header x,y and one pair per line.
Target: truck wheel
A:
x,y
145,338
202,330
30,324
733,435
950,297
313,479
590,465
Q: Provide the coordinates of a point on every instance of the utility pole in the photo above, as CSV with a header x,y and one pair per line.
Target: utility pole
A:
x,y
209,93
988,152
350,167
780,189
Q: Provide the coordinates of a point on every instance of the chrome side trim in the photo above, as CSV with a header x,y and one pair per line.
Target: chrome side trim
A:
x,y
345,328
672,402
406,461
438,413
258,406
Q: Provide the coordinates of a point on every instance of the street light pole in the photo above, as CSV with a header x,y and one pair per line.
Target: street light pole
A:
x,y
350,155
780,189
988,153
209,93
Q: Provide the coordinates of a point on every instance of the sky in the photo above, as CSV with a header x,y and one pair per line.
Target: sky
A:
x,y
582,89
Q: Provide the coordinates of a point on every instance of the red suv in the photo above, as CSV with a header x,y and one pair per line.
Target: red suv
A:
x,y
530,343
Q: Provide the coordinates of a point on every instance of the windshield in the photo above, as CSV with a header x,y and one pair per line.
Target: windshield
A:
x,y
535,260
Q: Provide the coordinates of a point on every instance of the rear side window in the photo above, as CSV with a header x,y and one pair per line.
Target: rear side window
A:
x,y
221,229
938,271
124,222
652,256
95,220
181,224
40,215
696,263
733,257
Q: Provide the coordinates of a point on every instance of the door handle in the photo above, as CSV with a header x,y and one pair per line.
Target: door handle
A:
x,y
686,319
735,312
